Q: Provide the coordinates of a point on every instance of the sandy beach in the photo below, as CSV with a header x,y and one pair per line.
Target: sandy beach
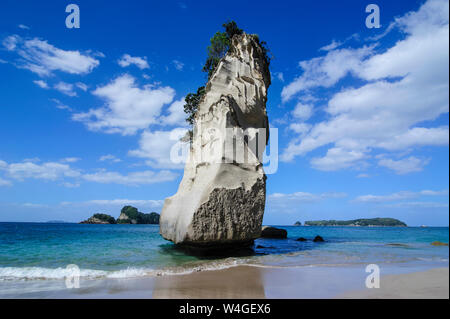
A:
x,y
242,282
430,284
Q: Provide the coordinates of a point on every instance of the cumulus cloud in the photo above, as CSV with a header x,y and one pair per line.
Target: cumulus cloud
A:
x,y
127,60
405,165
303,111
175,114
403,87
42,58
156,148
338,158
65,88
128,107
326,71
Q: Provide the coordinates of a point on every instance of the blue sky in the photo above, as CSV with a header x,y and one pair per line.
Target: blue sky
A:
x,y
362,114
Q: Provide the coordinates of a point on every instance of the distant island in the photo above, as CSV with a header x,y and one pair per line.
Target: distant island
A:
x,y
297,223
358,222
128,215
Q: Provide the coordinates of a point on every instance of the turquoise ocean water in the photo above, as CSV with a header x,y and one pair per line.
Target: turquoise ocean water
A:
x,y
41,251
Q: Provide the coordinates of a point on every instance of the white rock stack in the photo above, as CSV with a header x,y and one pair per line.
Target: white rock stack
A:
x,y
220,201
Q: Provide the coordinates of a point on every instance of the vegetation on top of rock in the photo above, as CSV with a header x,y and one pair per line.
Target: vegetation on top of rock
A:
x,y
131,215
99,219
105,217
297,223
218,48
128,215
358,222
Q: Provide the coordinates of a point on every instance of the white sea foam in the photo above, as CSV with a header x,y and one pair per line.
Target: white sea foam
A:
x,y
41,273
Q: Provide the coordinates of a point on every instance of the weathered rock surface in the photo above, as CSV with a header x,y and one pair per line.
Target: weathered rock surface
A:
x,y
273,232
221,199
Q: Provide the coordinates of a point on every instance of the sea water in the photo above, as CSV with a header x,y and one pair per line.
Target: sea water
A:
x,y
42,251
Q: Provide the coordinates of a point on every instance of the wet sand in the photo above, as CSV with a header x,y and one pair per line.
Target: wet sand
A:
x,y
250,282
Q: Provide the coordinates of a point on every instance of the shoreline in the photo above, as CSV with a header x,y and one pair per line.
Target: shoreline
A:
x,y
253,282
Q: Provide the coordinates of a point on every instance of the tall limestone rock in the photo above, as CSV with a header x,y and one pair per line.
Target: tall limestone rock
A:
x,y
221,198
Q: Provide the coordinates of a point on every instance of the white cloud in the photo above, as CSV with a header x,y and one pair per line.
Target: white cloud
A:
x,y
176,114
405,165
303,111
156,147
41,84
43,58
178,65
304,196
326,71
47,171
23,26
81,86
65,88
405,86
337,158
128,107
134,178
70,159
60,105
399,196
109,158
279,76
127,60
333,45
71,185
10,42
4,182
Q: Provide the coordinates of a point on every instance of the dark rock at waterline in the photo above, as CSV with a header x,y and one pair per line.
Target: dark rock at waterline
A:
x,y
260,246
301,239
272,232
318,239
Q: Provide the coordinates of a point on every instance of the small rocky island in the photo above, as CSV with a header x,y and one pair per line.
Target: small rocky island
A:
x,y
128,215
368,222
